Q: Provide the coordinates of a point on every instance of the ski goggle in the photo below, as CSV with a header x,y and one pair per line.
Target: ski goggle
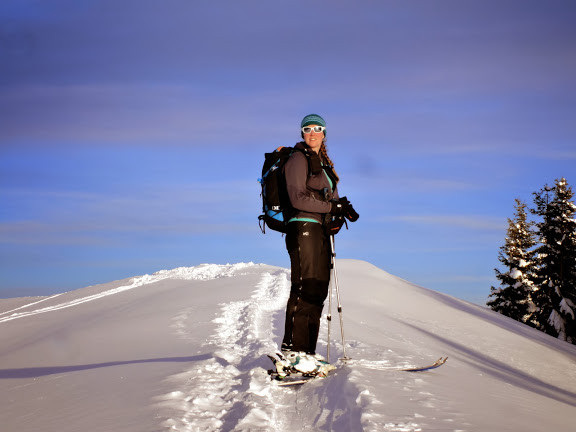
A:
x,y
317,129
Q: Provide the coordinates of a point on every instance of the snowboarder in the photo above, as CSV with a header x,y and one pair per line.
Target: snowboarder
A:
x,y
319,212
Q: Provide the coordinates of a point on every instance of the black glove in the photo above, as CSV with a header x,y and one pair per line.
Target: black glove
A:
x,y
342,207
334,223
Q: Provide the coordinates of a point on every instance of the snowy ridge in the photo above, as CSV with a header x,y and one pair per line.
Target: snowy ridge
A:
x,y
201,272
187,352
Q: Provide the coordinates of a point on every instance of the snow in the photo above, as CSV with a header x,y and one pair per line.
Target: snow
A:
x,y
184,350
567,307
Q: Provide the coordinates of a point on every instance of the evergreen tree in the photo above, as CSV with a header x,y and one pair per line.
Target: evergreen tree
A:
x,y
513,297
555,297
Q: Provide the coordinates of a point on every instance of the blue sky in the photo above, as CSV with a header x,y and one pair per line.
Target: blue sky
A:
x,y
132,132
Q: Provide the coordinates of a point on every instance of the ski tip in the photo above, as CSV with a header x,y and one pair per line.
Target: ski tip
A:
x,y
434,365
440,361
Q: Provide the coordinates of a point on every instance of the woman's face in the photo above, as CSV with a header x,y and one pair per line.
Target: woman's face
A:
x,y
314,139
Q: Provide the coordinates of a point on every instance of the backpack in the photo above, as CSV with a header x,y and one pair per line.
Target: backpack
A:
x,y
276,207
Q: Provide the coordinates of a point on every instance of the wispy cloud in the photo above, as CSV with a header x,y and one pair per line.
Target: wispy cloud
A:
x,y
106,234
127,115
482,223
90,218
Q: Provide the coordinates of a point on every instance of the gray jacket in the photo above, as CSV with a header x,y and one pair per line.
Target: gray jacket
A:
x,y
309,192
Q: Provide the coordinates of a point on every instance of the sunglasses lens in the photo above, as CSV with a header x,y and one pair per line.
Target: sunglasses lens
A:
x,y
316,129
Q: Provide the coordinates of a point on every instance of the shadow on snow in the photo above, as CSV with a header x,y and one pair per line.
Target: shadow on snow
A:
x,y
35,372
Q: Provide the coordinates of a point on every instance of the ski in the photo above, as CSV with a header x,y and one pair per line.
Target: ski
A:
x,y
295,381
434,365
378,366
291,380
294,378
284,378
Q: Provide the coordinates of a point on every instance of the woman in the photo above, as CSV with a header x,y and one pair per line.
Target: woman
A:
x,y
312,188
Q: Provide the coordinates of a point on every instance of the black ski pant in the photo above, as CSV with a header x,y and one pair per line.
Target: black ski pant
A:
x,y
308,245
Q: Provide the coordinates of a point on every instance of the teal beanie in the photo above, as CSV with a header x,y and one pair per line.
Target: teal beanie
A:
x,y
313,119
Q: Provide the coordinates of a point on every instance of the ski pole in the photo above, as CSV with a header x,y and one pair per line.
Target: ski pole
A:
x,y
344,356
329,321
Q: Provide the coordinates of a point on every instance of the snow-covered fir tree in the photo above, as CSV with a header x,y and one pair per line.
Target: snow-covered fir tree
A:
x,y
555,296
513,297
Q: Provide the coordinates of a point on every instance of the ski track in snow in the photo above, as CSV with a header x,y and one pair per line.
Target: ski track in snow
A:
x,y
232,391
16,315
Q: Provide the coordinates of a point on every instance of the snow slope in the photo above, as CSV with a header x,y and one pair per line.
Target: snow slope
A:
x,y
184,350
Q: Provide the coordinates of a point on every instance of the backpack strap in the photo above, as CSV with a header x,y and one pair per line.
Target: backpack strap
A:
x,y
314,168
314,162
